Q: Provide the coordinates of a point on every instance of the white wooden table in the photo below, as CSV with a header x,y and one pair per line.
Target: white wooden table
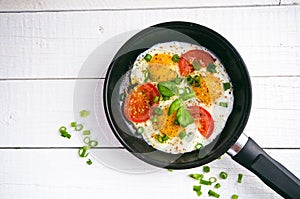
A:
x,y
43,49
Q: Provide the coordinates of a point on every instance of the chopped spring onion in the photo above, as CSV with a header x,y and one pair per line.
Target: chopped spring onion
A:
x,y
199,193
122,96
82,151
213,194
62,128
196,176
158,111
212,179
197,78
89,162
156,99
234,196
86,132
205,182
86,140
84,113
146,75
226,86
224,104
240,177
140,130
93,143
182,135
78,127
148,57
217,186
65,134
73,124
170,170
197,84
198,146
196,188
223,175
206,169
165,138
211,68
175,58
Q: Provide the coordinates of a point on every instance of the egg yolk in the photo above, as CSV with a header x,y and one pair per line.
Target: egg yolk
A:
x,y
163,59
161,68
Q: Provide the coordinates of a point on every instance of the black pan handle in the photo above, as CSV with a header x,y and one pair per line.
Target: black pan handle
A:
x,y
247,153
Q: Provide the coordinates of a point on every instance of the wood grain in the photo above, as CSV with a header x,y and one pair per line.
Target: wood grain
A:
x,y
39,107
62,174
56,45
69,5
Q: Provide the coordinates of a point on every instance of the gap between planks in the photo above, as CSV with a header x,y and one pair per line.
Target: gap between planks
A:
x,y
141,9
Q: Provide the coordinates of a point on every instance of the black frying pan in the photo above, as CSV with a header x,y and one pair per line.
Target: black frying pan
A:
x,y
242,149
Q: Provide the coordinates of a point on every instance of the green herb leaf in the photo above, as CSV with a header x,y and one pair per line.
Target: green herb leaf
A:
x,y
187,96
167,89
174,106
196,64
211,68
182,135
184,117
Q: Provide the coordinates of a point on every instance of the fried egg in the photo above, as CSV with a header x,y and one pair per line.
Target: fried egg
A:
x,y
213,92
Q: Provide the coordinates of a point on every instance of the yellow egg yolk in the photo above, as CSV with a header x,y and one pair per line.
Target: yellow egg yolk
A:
x,y
164,59
161,68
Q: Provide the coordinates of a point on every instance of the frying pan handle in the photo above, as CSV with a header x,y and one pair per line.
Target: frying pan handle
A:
x,y
250,155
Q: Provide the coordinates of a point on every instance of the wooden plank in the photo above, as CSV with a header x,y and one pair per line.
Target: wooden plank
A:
x,y
56,45
289,2
35,109
62,174
54,5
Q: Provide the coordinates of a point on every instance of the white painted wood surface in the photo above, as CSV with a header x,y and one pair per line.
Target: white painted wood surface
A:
x,y
45,46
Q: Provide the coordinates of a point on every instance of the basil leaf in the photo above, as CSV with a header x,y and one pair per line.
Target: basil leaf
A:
x,y
184,117
167,89
196,64
211,68
174,106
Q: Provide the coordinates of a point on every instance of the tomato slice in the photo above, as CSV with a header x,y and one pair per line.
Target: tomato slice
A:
x,y
203,120
185,68
186,60
138,104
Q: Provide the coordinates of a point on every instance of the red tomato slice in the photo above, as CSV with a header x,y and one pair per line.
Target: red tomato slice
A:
x,y
185,68
204,57
203,120
186,60
138,104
